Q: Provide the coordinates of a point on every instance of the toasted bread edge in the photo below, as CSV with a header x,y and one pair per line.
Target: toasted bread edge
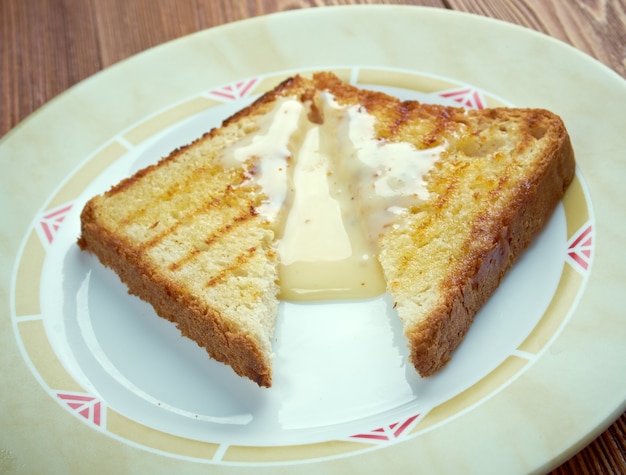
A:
x,y
200,323
511,228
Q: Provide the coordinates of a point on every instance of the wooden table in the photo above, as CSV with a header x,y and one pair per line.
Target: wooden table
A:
x,y
48,46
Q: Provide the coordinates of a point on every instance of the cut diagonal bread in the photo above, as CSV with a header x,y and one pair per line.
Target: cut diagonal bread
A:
x,y
203,261
197,234
503,173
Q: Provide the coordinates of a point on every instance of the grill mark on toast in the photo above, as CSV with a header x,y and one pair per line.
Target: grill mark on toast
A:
x,y
228,271
218,201
394,118
138,176
220,233
174,189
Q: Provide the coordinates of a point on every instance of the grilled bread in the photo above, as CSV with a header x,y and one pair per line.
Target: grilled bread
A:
x,y
195,235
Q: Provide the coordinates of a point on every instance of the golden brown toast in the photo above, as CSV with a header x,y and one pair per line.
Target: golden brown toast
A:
x,y
192,236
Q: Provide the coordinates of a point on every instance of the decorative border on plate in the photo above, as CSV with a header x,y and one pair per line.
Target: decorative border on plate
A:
x,y
53,376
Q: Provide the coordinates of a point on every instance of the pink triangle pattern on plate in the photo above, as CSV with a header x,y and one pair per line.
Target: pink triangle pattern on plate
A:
x,y
467,97
579,248
85,405
50,222
388,433
234,91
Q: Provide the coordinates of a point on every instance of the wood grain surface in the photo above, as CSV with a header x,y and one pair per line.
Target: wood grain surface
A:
x,y
47,46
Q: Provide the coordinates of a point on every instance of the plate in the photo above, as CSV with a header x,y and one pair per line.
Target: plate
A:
x,y
535,380
128,364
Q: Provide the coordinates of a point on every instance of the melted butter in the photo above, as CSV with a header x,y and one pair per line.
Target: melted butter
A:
x,y
387,177
266,153
324,254
314,229
331,188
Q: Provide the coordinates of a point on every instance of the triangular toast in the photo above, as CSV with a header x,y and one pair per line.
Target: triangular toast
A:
x,y
196,234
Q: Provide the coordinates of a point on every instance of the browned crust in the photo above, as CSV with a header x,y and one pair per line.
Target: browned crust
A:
x,y
197,321
292,86
495,242
499,236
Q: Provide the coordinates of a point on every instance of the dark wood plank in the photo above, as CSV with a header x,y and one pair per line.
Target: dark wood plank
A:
x,y
45,48
126,28
605,455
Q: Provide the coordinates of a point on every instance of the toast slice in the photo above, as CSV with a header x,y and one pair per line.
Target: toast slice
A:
x,y
196,234
186,236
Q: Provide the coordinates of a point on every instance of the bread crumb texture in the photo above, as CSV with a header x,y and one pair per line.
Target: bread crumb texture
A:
x,y
185,235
